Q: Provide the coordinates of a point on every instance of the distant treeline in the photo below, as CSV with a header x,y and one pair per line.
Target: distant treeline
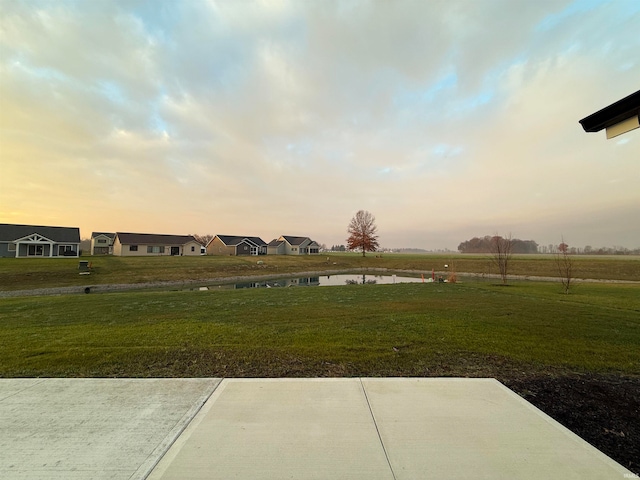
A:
x,y
484,245
589,250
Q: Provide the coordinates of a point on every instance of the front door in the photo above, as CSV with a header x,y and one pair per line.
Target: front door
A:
x,y
175,250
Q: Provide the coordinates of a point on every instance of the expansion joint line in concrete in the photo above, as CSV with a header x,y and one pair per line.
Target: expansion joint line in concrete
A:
x,y
375,423
182,426
18,392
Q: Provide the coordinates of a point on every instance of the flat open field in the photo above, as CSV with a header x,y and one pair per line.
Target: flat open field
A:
x,y
365,330
575,356
18,274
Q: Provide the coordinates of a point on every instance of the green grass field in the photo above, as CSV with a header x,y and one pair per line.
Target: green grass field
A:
x,y
470,329
17,274
576,356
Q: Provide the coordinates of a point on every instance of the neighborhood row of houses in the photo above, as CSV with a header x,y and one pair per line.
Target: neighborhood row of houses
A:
x,y
23,241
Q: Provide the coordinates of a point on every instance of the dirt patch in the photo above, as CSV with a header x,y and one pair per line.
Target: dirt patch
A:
x,y
603,410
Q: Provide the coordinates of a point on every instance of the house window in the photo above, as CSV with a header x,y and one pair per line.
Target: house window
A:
x,y
133,248
36,250
193,249
66,250
11,247
155,249
102,240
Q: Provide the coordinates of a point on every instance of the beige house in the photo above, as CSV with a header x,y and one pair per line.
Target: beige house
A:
x,y
102,243
236,245
290,245
148,244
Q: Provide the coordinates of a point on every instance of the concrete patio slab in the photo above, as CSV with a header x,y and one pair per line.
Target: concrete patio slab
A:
x,y
398,428
93,428
348,428
280,428
451,428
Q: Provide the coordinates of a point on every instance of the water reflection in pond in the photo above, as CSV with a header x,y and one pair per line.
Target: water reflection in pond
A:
x,y
322,281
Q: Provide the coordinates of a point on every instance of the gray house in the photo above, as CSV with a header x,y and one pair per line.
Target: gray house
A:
x,y
290,245
36,241
102,243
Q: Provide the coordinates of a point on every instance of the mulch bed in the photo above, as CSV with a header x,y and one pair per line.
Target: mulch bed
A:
x,y
604,410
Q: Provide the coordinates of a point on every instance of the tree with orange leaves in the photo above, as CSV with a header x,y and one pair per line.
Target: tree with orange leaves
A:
x,y
362,233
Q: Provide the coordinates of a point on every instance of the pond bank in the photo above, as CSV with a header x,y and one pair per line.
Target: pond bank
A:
x,y
97,288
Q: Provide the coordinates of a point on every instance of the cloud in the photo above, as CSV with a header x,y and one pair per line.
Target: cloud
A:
x,y
445,119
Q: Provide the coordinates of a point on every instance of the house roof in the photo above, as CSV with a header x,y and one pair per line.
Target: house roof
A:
x,y
275,243
111,235
615,113
153,239
233,240
295,240
10,232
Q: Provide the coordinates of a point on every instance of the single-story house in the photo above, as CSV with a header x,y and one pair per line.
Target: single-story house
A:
x,y
236,245
150,244
27,241
290,245
102,243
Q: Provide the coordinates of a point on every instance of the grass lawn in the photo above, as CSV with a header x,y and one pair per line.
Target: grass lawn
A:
x,y
18,274
577,356
470,329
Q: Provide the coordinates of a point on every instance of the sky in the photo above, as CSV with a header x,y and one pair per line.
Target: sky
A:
x,y
444,119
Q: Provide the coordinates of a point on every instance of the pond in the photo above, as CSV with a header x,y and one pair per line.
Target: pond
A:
x,y
321,281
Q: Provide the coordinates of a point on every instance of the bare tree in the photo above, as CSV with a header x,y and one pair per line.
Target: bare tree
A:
x,y
565,265
202,239
362,232
501,251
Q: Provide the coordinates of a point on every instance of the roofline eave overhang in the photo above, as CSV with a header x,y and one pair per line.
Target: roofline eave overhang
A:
x,y
615,113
